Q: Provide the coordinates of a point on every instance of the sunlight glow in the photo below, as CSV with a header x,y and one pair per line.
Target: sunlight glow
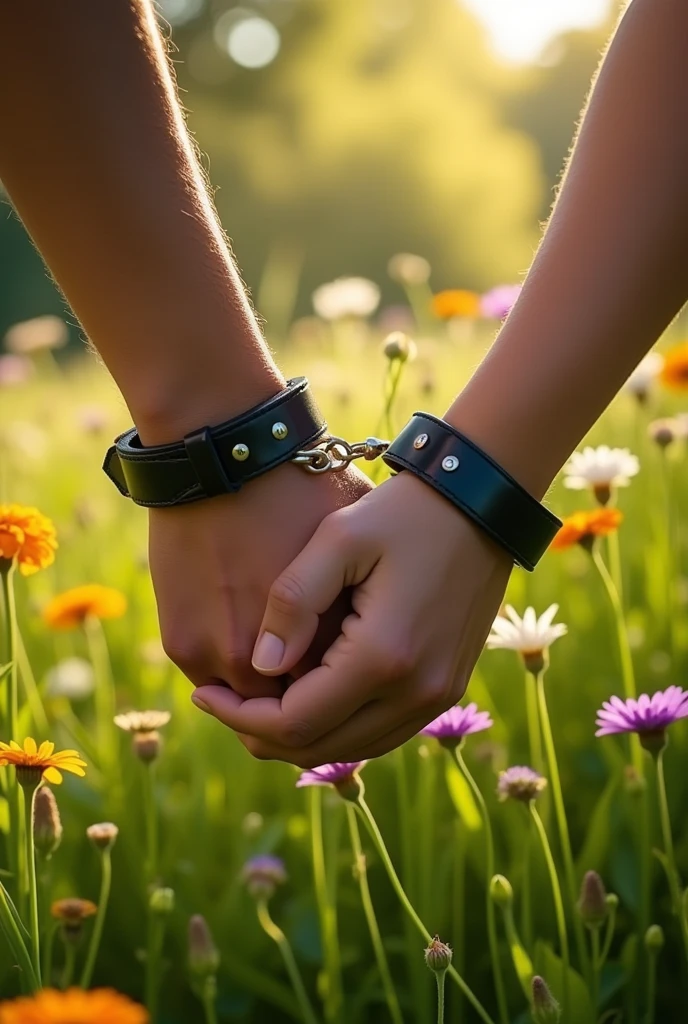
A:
x,y
519,29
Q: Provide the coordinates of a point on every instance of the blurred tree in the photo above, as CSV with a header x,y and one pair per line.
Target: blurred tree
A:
x,y
379,126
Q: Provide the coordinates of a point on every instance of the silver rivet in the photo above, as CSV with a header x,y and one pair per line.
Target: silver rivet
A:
x,y
240,452
421,441
450,463
279,431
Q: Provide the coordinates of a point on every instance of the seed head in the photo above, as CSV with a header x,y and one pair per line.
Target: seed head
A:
x,y
103,834
520,783
47,826
546,1009
408,269
592,904
663,432
438,956
203,958
262,874
500,891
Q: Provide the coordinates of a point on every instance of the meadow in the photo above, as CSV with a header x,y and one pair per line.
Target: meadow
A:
x,y
330,920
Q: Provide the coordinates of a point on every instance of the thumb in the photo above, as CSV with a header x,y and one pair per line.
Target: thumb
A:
x,y
302,593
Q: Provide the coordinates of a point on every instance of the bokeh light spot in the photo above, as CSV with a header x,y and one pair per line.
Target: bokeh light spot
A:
x,y
253,42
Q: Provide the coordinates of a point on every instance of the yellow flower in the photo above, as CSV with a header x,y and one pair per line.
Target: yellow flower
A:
x,y
455,302
41,760
583,527
73,1007
71,608
27,536
674,372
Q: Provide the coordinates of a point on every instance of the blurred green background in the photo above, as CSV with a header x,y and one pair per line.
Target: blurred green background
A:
x,y
376,126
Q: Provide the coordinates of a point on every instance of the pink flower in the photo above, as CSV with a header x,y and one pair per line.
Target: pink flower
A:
x,y
644,715
458,722
498,302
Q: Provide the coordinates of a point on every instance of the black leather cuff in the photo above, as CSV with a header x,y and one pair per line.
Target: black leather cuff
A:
x,y
216,460
475,484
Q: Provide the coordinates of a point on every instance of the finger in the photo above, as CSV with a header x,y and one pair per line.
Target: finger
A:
x,y
333,559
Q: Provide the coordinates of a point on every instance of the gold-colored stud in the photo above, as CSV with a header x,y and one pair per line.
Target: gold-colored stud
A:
x,y
240,452
450,463
421,441
279,430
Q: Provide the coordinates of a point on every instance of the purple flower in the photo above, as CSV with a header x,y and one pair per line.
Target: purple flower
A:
x,y
343,775
644,715
262,874
498,302
451,726
520,783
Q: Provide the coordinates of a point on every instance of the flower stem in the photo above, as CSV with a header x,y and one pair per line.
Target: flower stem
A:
x,y
667,839
278,936
49,948
70,960
34,928
558,902
562,823
459,906
9,657
9,922
490,870
97,933
150,812
327,912
440,976
596,967
369,910
104,693
209,999
379,842
526,900
651,998
533,718
156,938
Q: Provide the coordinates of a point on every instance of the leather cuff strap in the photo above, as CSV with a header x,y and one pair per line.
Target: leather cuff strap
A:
x,y
216,460
476,484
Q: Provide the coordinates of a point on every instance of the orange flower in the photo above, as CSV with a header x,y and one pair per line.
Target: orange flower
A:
x,y
74,606
674,373
583,527
455,302
34,760
73,910
27,536
73,1007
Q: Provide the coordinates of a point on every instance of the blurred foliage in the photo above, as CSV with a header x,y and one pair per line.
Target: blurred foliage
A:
x,y
381,126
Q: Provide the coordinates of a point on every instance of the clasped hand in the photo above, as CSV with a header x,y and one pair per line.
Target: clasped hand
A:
x,y
376,611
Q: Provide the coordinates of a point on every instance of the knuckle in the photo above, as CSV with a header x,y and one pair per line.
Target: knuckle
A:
x,y
287,594
391,660
185,652
296,732
256,747
235,658
338,529
435,694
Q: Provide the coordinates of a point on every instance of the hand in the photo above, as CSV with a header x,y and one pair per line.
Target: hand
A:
x,y
428,584
213,563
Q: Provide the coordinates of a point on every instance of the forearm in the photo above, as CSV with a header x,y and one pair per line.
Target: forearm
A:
x,y
612,270
97,160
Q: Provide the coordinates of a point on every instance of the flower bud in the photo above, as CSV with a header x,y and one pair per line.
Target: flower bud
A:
x,y
262,874
408,269
398,346
664,431
204,957
546,1009
161,901
438,956
146,745
654,939
592,904
47,826
501,892
535,661
103,835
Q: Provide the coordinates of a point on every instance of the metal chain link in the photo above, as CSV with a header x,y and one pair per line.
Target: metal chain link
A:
x,y
333,454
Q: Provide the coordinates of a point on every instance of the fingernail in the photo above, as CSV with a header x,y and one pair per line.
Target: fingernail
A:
x,y
199,702
268,652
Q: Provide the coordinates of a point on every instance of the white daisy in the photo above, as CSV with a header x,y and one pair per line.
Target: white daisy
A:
x,y
530,636
347,296
601,469
644,375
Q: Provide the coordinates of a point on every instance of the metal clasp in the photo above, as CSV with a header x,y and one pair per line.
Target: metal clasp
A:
x,y
333,454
